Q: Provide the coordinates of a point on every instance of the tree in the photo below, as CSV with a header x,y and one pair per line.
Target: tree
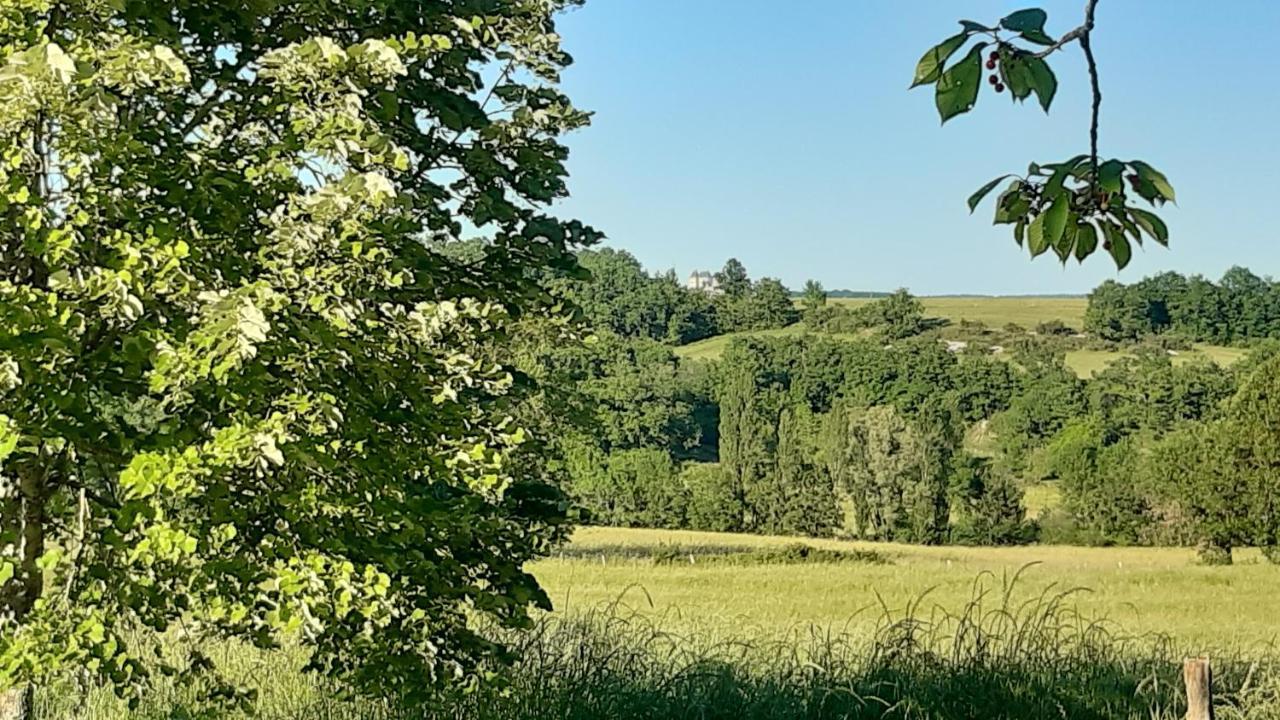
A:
x,y
713,503
1190,469
1065,206
733,279
767,306
1252,419
988,505
620,297
238,386
1115,312
795,498
745,436
814,296
889,471
897,316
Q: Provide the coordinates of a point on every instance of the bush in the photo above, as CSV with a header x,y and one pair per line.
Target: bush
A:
x,y
628,488
1054,328
713,503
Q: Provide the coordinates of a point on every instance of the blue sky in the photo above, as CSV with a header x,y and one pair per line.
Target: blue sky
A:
x,y
783,133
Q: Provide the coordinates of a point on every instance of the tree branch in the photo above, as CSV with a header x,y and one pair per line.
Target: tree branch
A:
x,y
1087,45
1082,34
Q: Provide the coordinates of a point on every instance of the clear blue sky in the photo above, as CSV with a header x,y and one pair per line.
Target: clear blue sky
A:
x,y
783,133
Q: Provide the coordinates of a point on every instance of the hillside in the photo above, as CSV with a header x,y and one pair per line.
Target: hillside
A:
x,y
994,312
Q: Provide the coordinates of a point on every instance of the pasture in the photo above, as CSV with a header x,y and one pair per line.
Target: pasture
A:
x,y
998,311
994,312
877,631
1145,591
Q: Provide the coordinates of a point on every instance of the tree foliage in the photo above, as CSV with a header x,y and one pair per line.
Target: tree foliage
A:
x,y
239,385
1069,207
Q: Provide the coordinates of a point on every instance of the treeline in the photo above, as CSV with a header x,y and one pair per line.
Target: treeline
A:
x,y
893,435
1238,308
620,297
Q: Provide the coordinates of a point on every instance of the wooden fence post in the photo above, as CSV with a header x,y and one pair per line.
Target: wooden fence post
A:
x,y
1198,677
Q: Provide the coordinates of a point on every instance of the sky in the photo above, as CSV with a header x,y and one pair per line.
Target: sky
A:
x,y
782,133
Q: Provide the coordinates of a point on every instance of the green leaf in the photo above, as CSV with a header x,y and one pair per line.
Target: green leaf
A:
x,y
1086,241
1060,174
1152,224
974,27
983,191
1032,19
1043,81
1156,178
1117,244
1063,247
1037,36
958,85
1055,219
1111,176
63,67
1015,74
1019,231
6,572
1036,241
1011,206
929,69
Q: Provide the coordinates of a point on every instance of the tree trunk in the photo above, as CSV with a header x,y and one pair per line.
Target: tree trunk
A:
x,y
15,704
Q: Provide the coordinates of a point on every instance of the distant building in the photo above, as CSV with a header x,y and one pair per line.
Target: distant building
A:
x,y
703,281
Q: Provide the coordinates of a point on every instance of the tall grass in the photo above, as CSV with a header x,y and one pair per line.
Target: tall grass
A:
x,y
1003,654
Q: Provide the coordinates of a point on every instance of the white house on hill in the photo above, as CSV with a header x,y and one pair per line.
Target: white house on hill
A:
x,y
703,281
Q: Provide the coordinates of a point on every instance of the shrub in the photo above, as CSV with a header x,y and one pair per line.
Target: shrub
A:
x,y
713,503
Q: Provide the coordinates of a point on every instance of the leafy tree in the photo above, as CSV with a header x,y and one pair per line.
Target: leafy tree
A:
x,y
620,297
1115,312
1190,470
1065,206
896,316
637,397
987,505
889,471
236,385
745,435
733,279
1098,484
1252,421
1051,397
767,306
713,502
984,385
814,296
795,498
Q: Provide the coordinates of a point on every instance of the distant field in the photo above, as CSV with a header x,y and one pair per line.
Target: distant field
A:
x,y
996,312
1144,590
714,347
1088,362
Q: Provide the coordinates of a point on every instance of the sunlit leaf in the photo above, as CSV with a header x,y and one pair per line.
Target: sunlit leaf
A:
x,y
958,85
929,69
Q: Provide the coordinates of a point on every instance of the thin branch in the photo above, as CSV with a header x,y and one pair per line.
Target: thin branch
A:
x,y
1087,45
1070,37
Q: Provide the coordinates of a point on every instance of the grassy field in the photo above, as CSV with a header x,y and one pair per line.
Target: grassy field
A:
x,y
704,626
996,312
1088,362
1143,590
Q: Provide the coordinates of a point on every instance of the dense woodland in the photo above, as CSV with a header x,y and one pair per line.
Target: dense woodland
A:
x,y
866,424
